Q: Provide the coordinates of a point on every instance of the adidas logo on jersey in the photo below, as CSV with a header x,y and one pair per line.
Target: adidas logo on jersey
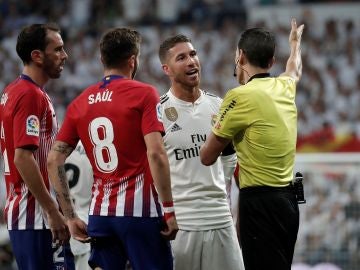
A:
x,y
175,127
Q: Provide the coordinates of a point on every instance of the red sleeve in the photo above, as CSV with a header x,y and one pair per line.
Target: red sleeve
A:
x,y
27,116
68,131
151,117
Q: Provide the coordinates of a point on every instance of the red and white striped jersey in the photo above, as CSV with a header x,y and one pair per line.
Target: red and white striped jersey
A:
x,y
111,119
27,120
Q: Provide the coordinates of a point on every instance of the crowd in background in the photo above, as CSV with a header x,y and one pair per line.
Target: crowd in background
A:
x,y
330,219
328,95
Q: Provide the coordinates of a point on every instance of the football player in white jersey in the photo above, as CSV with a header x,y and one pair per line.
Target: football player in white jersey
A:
x,y
80,175
207,238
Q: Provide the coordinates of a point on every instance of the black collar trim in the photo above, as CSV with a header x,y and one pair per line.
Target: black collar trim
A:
x,y
259,75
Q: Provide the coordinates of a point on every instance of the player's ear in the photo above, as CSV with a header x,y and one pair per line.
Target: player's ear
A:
x,y
166,69
37,56
271,62
132,61
242,57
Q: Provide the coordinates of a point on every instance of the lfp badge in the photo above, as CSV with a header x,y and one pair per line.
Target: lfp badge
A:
x,y
32,125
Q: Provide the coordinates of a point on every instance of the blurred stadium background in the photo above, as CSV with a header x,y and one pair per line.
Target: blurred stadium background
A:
x,y
328,95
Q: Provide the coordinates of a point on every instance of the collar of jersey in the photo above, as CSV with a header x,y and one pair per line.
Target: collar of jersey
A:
x,y
107,79
183,102
27,78
259,75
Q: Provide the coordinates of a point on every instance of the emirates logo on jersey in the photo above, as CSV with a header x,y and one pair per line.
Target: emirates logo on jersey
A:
x,y
171,114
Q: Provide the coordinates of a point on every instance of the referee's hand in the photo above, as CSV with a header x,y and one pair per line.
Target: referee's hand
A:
x,y
170,229
296,32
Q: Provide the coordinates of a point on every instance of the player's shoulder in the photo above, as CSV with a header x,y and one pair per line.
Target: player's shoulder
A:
x,y
164,98
211,98
206,93
24,87
142,90
24,90
84,95
140,85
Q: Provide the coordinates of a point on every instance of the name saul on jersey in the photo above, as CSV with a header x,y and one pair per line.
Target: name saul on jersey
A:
x,y
104,96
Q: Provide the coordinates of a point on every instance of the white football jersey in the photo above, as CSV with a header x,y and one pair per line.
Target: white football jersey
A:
x,y
80,175
199,191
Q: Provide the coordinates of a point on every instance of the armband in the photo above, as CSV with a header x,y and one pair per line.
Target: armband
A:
x,y
169,210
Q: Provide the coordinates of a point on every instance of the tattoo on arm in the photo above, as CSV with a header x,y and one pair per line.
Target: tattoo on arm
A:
x,y
65,193
63,148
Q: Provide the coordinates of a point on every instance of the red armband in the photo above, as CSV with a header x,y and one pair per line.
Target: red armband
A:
x,y
169,211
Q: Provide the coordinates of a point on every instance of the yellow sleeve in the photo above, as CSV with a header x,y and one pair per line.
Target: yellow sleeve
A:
x,y
232,117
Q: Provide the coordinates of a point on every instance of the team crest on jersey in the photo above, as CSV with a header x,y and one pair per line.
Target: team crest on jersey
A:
x,y
32,125
171,114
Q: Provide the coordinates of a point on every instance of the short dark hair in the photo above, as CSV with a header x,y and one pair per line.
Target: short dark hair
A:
x,y
170,43
33,37
258,45
117,45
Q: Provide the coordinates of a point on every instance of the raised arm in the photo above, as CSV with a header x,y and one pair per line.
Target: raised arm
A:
x,y
160,171
56,169
294,63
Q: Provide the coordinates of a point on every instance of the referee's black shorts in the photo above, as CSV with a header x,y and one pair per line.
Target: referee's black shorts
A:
x,y
269,223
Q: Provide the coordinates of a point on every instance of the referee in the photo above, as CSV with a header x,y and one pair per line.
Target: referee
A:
x,y
260,118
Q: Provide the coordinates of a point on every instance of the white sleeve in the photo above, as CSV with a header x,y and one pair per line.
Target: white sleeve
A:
x,y
229,165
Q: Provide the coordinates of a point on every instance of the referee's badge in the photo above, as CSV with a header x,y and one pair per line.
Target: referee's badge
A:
x,y
171,114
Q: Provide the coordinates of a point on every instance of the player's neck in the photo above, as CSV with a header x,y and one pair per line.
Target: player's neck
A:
x,y
188,94
36,74
119,72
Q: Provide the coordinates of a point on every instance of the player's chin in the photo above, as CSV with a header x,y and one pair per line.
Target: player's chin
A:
x,y
193,82
55,75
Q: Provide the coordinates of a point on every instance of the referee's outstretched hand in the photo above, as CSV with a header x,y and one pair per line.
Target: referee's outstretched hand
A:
x,y
296,32
170,228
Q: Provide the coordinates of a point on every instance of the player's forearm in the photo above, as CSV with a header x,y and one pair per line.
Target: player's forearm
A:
x,y
159,166
59,181
30,173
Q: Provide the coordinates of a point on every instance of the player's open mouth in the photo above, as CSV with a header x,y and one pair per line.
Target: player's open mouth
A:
x,y
192,72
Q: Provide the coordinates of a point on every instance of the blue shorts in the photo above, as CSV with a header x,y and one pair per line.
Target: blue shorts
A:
x,y
33,251
116,240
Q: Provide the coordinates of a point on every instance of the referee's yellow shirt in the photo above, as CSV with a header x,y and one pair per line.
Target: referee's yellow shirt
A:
x,y
261,119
